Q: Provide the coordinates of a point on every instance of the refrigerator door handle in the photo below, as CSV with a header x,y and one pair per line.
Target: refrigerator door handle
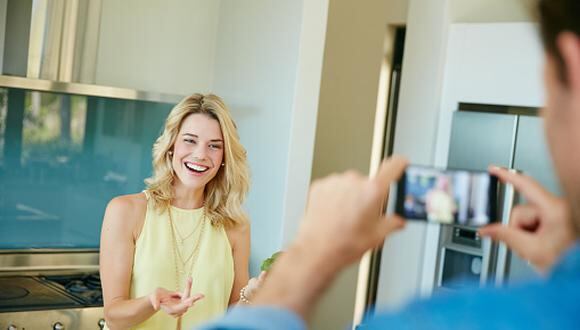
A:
x,y
488,254
502,261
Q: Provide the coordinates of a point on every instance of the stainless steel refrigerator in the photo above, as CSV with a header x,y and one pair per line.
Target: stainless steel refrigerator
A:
x,y
505,136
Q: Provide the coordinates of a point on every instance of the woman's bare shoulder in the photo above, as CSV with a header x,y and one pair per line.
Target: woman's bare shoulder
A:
x,y
129,203
126,211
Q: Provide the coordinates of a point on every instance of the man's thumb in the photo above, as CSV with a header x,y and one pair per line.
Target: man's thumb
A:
x,y
516,239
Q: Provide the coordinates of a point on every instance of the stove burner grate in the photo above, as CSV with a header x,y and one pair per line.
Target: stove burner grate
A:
x,y
8,292
20,293
86,287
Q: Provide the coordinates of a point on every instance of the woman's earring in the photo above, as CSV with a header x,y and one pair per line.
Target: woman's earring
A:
x,y
223,164
170,153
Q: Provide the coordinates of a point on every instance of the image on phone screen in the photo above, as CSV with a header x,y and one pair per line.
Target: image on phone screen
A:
x,y
459,197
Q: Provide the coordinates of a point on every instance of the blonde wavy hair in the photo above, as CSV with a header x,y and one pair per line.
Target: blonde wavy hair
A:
x,y
225,193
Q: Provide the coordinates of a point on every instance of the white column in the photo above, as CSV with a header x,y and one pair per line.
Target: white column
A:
x,y
402,263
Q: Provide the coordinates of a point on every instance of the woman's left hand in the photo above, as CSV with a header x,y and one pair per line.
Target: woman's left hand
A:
x,y
254,285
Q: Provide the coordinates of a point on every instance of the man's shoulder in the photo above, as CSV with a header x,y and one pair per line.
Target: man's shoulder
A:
x,y
535,305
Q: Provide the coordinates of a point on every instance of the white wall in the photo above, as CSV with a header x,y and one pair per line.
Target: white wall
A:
x,y
158,45
486,64
255,72
415,132
304,114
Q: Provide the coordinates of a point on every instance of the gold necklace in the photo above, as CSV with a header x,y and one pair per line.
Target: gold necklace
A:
x,y
183,261
177,253
181,238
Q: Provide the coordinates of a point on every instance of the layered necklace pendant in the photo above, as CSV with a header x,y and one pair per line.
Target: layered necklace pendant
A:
x,y
180,272
183,259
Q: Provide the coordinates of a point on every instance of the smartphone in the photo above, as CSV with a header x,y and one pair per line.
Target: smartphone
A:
x,y
454,197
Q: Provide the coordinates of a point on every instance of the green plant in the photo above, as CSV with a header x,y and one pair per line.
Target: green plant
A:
x,y
268,262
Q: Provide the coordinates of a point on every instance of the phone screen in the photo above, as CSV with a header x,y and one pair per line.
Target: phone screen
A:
x,y
459,197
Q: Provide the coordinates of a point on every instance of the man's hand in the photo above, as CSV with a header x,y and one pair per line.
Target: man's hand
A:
x,y
539,231
344,217
174,303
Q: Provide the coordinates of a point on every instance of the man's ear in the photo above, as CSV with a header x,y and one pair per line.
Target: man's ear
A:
x,y
568,45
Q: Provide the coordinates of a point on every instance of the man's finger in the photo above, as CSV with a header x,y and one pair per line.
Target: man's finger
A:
x,y
524,216
391,169
525,185
389,224
516,239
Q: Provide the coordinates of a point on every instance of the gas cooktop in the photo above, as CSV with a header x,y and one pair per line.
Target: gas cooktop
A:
x,y
28,293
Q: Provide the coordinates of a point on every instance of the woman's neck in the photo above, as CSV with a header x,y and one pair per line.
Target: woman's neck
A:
x,y
185,198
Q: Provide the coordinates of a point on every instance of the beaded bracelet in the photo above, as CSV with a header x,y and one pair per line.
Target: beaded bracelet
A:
x,y
243,297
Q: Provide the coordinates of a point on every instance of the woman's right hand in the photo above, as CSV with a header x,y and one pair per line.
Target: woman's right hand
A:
x,y
174,303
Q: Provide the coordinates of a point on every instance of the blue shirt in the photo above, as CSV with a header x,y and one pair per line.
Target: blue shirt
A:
x,y
553,303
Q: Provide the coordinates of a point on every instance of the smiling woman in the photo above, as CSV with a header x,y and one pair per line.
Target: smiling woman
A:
x,y
186,232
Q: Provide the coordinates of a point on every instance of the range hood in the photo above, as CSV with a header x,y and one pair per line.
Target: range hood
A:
x,y
43,85
52,46
51,39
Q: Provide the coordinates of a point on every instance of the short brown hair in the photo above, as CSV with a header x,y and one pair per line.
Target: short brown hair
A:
x,y
557,16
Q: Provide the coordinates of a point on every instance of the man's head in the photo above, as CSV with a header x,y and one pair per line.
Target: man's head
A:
x,y
560,25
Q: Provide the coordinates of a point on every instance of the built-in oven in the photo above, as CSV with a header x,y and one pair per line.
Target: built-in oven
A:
x,y
50,290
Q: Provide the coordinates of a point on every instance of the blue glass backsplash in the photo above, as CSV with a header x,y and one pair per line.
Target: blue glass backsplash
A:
x,y
63,157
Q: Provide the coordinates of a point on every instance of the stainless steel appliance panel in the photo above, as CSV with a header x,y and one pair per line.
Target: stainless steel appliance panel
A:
x,y
477,140
480,139
532,158
532,155
65,319
515,141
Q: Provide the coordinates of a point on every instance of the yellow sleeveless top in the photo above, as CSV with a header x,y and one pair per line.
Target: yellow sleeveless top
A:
x,y
154,264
